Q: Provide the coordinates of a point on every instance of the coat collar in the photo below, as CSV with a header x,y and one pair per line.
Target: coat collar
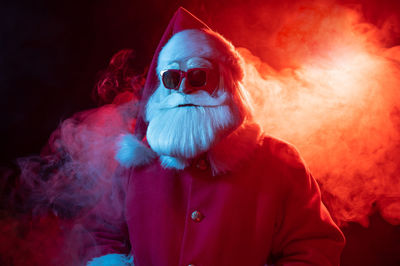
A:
x,y
224,157
234,149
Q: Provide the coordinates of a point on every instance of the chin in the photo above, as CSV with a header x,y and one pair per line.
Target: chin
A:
x,y
184,127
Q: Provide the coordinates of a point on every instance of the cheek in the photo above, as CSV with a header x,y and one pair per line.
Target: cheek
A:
x,y
160,94
212,84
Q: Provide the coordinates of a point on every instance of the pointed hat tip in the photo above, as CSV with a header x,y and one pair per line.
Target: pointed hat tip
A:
x,y
183,20
183,11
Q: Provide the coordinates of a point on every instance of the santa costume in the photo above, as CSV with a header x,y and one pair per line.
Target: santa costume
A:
x,y
204,185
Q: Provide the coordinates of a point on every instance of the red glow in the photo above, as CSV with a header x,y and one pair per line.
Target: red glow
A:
x,y
337,101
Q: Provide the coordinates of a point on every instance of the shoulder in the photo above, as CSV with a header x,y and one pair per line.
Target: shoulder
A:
x,y
288,169
281,152
282,162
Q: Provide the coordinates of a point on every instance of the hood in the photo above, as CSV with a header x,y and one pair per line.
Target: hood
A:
x,y
182,20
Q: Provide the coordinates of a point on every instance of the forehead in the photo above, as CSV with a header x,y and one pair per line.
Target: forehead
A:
x,y
187,63
187,49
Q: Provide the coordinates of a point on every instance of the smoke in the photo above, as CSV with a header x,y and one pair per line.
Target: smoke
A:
x,y
52,198
46,241
336,98
58,189
321,78
78,164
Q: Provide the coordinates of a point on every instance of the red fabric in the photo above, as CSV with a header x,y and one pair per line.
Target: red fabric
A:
x,y
268,210
182,20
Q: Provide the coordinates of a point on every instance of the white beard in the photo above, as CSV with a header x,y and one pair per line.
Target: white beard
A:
x,y
186,132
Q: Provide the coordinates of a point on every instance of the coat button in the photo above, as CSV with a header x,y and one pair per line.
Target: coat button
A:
x,y
197,216
202,164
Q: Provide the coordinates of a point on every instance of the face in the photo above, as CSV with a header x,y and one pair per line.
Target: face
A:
x,y
190,110
190,75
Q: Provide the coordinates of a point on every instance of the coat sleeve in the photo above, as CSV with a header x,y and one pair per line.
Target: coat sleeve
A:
x,y
305,233
107,234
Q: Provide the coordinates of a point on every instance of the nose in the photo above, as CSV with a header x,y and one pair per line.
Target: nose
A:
x,y
184,87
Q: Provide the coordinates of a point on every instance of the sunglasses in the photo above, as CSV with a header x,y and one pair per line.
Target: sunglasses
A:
x,y
196,77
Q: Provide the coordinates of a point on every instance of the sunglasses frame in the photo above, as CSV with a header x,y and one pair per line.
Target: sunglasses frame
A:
x,y
184,74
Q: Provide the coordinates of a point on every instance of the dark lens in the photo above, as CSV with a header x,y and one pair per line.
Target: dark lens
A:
x,y
197,78
171,79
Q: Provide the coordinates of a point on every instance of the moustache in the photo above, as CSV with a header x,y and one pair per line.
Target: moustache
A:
x,y
198,98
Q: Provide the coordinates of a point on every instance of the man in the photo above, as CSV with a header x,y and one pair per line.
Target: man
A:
x,y
205,186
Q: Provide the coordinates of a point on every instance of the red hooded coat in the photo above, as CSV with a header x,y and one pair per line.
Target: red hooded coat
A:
x,y
266,209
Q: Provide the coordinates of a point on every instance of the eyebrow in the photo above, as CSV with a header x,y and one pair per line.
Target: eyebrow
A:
x,y
173,65
199,61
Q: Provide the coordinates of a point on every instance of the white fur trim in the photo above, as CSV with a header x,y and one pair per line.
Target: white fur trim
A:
x,y
112,260
200,43
187,44
132,152
226,155
172,162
